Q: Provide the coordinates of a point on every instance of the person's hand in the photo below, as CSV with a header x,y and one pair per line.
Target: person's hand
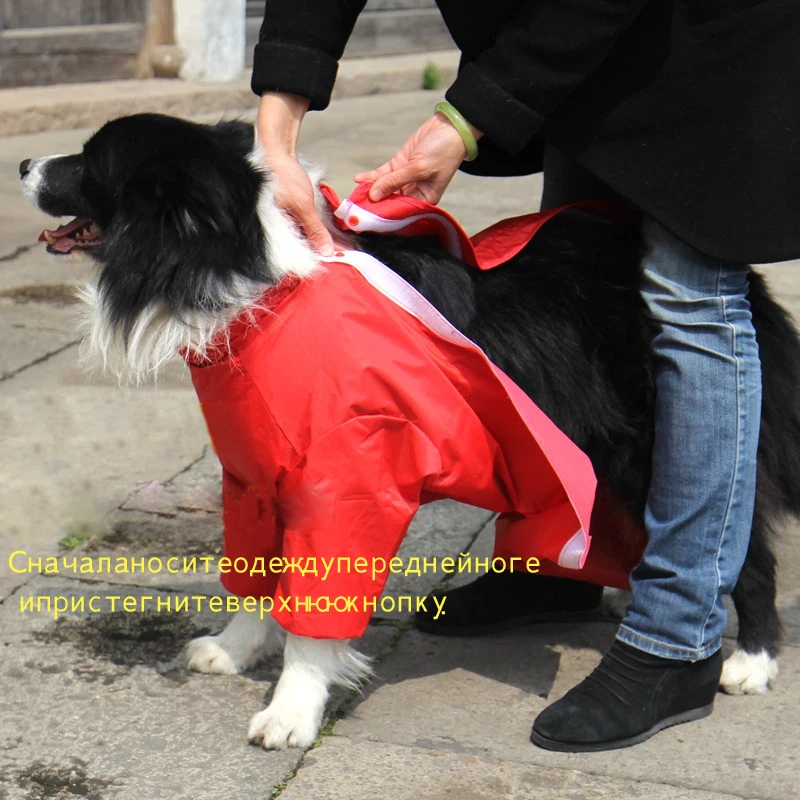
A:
x,y
278,126
424,165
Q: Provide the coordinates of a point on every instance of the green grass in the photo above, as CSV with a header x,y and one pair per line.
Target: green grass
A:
x,y
76,537
431,77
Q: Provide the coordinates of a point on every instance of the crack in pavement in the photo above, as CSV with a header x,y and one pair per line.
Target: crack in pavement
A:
x,y
21,250
6,376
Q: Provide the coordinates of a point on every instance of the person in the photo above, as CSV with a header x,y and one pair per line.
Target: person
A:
x,y
687,111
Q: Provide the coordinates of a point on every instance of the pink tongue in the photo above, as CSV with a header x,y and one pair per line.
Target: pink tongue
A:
x,y
65,230
63,245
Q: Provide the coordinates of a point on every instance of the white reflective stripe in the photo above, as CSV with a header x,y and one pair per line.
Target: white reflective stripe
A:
x,y
391,285
369,221
574,552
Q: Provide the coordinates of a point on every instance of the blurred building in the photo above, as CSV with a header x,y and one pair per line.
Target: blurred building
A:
x,y
72,41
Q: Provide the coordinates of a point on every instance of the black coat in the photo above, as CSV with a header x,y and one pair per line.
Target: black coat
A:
x,y
690,109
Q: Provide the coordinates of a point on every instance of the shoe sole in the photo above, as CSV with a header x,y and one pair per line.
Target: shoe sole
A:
x,y
437,629
593,747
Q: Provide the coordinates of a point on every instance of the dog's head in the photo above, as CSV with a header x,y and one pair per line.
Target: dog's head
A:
x,y
181,221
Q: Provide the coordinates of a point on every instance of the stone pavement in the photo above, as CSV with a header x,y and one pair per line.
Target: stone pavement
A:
x,y
100,706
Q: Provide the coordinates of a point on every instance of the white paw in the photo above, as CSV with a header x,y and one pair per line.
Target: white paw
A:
x,y
280,725
245,642
206,655
748,673
310,667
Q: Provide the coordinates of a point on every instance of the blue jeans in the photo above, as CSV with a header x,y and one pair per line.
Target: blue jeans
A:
x,y
708,406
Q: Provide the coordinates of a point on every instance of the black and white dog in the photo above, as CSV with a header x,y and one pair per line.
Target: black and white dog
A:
x,y
181,222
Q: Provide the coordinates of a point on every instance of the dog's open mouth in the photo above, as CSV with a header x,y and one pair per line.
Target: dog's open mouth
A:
x,y
80,234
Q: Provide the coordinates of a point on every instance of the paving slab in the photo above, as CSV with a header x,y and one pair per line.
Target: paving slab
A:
x,y
190,528
444,692
788,555
784,280
30,334
790,617
197,488
73,448
33,278
377,771
479,696
131,729
102,700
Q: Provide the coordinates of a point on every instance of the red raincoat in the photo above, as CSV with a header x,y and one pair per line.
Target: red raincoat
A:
x,y
349,401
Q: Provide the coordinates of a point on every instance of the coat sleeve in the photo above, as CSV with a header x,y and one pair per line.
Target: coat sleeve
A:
x,y
352,496
300,44
547,49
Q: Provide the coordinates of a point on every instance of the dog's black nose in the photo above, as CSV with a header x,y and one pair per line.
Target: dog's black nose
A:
x,y
24,167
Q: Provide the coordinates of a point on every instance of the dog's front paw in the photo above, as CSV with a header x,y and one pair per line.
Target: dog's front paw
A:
x,y
281,725
207,655
246,642
748,673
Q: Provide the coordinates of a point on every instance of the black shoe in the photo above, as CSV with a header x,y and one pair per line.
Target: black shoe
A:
x,y
630,696
498,601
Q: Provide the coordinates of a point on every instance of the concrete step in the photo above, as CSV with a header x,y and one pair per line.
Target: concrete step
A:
x,y
51,108
72,54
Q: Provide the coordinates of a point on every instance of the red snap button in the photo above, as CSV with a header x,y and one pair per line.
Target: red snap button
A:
x,y
340,254
352,220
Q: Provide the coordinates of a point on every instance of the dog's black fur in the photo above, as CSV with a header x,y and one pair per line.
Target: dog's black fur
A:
x,y
177,203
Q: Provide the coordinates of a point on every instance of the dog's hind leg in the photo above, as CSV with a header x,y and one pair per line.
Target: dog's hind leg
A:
x,y
245,642
753,667
310,666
